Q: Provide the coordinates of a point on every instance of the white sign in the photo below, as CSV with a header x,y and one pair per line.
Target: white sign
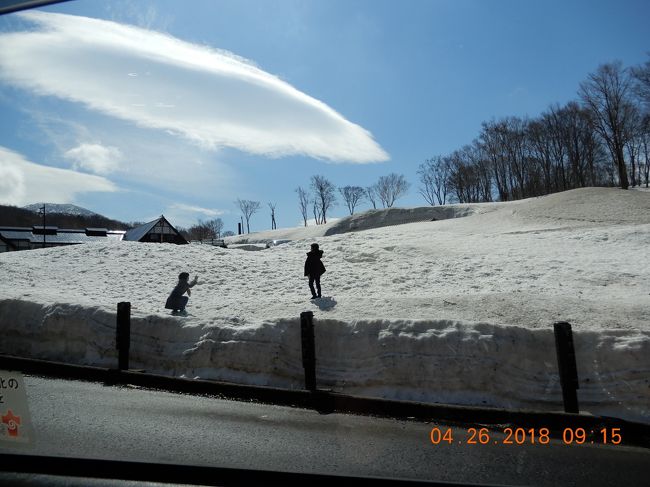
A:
x,y
15,422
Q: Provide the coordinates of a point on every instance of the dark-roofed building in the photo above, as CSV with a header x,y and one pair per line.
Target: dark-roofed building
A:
x,y
6,245
38,236
159,230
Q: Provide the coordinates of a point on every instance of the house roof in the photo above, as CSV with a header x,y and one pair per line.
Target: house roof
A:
x,y
7,242
135,234
62,235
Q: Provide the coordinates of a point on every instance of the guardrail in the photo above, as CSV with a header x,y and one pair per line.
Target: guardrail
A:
x,y
215,242
325,401
563,341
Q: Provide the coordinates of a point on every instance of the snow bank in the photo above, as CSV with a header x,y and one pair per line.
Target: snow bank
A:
x,y
398,216
366,220
457,310
430,361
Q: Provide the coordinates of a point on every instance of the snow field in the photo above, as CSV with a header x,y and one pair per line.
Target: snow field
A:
x,y
455,311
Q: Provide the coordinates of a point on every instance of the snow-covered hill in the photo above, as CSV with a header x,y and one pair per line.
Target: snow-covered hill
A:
x,y
455,310
64,209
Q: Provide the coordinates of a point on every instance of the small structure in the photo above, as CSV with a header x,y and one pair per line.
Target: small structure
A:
x,y
215,242
6,245
39,236
159,230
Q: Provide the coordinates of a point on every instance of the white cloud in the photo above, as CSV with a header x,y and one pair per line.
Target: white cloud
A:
x,y
23,182
211,97
197,209
184,215
148,158
94,158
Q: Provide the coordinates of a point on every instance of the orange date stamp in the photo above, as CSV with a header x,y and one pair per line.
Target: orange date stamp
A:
x,y
524,436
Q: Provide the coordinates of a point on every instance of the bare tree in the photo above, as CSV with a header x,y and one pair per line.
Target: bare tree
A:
x,y
644,162
491,142
213,227
391,187
248,207
634,148
641,76
352,195
469,175
434,176
204,230
324,195
272,207
200,231
371,193
606,93
216,226
303,201
318,215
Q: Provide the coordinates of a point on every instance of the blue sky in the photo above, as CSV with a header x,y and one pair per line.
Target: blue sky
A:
x,y
139,108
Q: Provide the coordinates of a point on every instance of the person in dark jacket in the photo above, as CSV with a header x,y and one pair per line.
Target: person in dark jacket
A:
x,y
176,301
314,268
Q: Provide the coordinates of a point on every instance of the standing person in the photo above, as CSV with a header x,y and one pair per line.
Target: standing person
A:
x,y
314,268
176,301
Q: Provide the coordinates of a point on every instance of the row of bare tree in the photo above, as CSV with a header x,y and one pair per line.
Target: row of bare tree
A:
x,y
205,230
601,140
323,195
322,198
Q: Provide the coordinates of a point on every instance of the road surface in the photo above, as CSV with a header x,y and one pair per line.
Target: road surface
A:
x,y
91,420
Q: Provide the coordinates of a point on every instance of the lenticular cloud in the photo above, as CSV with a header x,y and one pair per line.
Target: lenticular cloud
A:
x,y
154,80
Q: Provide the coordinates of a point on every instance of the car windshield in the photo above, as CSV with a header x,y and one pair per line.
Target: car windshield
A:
x,y
364,238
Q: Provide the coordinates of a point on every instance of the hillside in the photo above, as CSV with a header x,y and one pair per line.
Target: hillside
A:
x,y
13,216
457,310
61,209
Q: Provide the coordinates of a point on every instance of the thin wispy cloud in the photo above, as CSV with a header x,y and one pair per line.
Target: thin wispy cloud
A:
x,y
23,182
211,97
186,215
211,212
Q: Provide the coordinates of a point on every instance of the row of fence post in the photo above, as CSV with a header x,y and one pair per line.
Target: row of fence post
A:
x,y
566,357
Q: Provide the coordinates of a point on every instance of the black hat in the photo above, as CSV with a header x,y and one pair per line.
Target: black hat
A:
x,y
184,275
314,246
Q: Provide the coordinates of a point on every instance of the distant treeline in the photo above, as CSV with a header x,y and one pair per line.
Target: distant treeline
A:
x,y
601,139
12,216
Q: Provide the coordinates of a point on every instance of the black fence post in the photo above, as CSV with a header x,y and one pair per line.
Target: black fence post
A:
x,y
308,349
123,334
566,362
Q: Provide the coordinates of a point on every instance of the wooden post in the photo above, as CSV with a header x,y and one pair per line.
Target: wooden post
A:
x,y
123,334
308,349
566,362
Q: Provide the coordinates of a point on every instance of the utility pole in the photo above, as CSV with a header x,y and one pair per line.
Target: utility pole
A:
x,y
39,211
273,224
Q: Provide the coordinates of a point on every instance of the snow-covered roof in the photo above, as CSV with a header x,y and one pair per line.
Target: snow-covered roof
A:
x,y
59,235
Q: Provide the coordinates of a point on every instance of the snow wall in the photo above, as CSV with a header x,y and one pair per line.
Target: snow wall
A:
x,y
434,361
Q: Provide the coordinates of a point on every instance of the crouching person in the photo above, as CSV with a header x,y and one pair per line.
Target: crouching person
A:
x,y
176,301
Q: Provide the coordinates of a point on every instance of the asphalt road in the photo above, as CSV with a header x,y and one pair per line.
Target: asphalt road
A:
x,y
90,420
